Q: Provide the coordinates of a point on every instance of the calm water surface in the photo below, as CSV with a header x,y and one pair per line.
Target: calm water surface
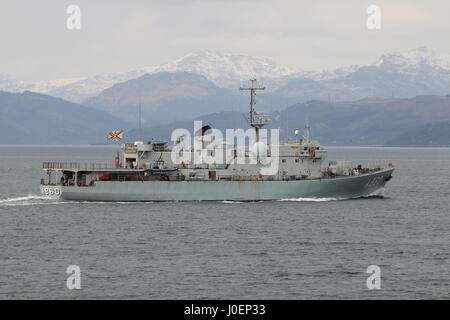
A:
x,y
296,249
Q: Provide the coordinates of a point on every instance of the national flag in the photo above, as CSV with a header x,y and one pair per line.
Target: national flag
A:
x,y
115,135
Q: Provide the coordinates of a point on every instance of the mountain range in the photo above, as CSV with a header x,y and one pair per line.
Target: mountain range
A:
x,y
33,118
430,135
399,74
223,69
362,122
164,97
184,95
356,105
167,97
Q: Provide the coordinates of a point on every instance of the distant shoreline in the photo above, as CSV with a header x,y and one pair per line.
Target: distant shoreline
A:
x,y
118,146
58,146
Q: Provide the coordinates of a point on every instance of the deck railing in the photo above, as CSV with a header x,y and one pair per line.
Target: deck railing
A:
x,y
78,165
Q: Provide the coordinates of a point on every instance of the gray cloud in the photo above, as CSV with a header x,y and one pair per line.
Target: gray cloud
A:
x,y
120,35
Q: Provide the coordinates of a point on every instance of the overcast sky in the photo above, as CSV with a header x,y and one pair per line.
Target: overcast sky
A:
x,y
121,35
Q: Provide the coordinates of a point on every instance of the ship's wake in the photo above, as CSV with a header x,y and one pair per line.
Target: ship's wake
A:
x,y
43,200
311,199
380,194
31,200
230,201
28,201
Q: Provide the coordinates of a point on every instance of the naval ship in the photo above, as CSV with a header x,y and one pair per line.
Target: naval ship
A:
x,y
155,171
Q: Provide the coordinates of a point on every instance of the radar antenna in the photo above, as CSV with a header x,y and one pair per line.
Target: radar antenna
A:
x,y
255,119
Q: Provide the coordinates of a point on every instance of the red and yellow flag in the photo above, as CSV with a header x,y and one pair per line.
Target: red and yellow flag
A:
x,y
115,135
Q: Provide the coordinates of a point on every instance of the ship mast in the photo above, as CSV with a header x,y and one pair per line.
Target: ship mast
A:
x,y
256,120
140,120
307,131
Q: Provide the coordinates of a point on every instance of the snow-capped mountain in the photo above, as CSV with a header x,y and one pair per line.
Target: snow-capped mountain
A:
x,y
420,70
402,61
223,69
8,83
411,61
326,74
401,74
49,85
85,88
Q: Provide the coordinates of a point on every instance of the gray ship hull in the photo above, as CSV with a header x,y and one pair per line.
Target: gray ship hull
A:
x,y
342,187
